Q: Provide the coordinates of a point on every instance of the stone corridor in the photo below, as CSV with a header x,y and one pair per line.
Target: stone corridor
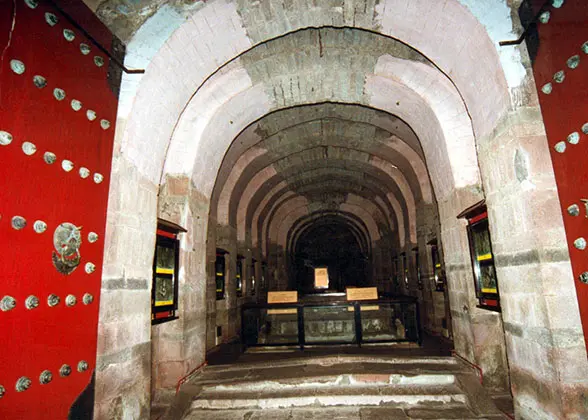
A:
x,y
184,175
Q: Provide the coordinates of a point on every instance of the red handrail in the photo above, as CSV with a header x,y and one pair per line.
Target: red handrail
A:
x,y
478,368
183,379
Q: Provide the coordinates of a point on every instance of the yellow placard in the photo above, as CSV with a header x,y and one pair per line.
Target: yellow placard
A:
x,y
362,293
164,270
282,297
487,290
285,311
321,278
485,257
370,308
163,302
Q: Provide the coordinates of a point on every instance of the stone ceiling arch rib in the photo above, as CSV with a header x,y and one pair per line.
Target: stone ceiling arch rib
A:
x,y
391,177
298,115
381,145
410,186
285,226
286,216
333,186
223,202
276,194
254,226
388,19
279,222
391,206
413,107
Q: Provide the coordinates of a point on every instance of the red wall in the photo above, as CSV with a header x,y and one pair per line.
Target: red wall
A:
x,y
565,110
46,337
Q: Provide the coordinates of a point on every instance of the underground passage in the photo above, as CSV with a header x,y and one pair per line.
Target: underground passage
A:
x,y
293,209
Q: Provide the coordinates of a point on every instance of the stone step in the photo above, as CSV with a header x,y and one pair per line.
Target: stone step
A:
x,y
439,363
368,395
398,371
424,412
356,387
363,380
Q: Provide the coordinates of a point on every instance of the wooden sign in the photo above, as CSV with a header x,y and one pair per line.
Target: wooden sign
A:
x,y
282,297
362,293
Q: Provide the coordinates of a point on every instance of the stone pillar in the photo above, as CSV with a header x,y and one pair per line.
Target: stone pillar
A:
x,y
123,364
179,346
545,343
478,333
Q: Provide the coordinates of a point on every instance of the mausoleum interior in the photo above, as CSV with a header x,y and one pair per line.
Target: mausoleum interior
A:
x,y
293,209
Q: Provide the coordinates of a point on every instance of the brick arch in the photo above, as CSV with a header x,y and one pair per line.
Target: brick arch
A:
x,y
239,174
384,146
438,128
282,189
274,220
352,220
286,216
374,179
485,90
389,175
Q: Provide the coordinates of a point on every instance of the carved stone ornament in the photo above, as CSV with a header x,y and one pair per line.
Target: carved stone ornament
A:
x,y
67,240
